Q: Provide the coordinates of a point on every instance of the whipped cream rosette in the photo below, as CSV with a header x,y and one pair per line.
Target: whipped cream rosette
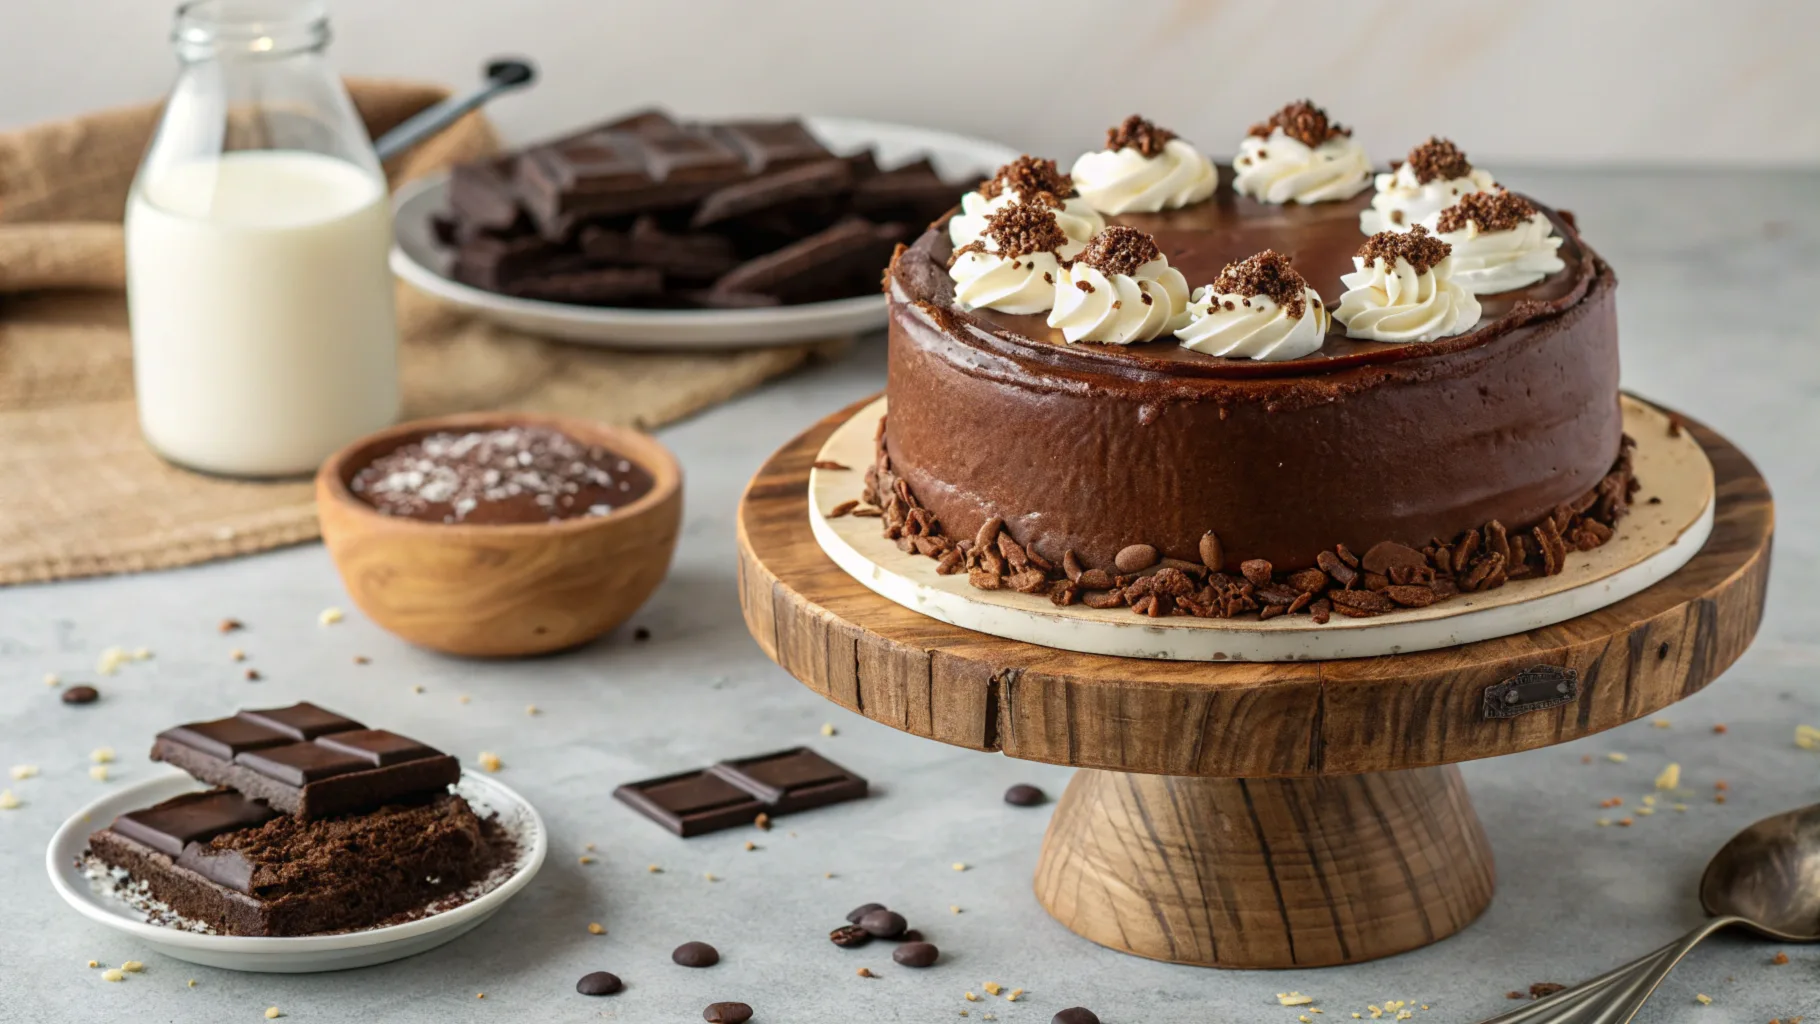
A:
x,y
1259,308
1403,290
1119,290
1014,265
1433,177
1143,169
1025,180
1500,242
1299,156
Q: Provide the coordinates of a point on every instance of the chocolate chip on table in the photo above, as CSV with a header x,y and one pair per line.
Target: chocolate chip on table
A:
x,y
862,910
599,983
727,1013
849,935
1024,795
884,924
916,954
1135,558
81,695
696,954
641,633
1075,1015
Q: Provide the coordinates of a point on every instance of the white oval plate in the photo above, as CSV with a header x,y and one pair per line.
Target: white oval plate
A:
x,y
302,954
420,261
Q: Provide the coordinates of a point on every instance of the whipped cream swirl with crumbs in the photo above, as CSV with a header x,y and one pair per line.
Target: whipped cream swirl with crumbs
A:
x,y
1014,265
1403,290
1299,156
1025,180
1500,242
1433,178
1143,169
1259,308
1119,290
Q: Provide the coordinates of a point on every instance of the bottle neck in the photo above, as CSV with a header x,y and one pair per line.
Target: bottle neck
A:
x,y
217,30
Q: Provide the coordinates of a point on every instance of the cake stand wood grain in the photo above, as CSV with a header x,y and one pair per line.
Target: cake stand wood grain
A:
x,y
1251,814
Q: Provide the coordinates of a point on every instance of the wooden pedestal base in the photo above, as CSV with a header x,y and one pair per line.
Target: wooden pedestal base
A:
x,y
1265,872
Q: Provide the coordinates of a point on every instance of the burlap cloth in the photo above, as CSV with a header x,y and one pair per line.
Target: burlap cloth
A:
x,y
81,494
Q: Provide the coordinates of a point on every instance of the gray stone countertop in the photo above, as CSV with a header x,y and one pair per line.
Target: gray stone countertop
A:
x,y
1720,278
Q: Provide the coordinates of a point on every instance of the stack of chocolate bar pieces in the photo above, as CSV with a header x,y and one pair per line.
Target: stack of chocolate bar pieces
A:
x,y
647,211
317,824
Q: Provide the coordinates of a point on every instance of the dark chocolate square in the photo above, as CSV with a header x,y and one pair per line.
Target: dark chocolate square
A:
x,y
602,161
225,737
301,721
688,156
691,803
793,780
772,145
191,818
298,764
377,746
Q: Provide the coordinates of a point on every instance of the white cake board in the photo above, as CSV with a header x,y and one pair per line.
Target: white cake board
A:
x,y
1651,543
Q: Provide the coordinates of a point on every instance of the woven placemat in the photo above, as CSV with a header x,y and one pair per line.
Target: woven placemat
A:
x,y
82,495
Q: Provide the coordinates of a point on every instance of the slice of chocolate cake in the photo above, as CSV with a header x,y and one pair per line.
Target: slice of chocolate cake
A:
x,y
240,868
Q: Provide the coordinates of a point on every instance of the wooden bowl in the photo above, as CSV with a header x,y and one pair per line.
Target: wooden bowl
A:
x,y
501,590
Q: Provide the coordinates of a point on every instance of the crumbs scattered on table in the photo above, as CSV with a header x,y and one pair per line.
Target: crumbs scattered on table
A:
x,y
1293,999
101,755
594,928
490,761
1670,778
24,771
52,679
1662,723
361,659
329,616
584,859
273,1013
237,654
1703,999
230,625
113,974
530,709
641,634
98,772
133,967
1719,727
959,866
1779,959
253,676
1616,758
1807,737
864,973
8,802
827,728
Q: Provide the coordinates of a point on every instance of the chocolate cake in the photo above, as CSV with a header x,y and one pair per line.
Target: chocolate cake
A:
x,y
321,825
1464,460
240,868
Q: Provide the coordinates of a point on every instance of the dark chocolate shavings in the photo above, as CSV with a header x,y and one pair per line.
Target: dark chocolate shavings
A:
x,y
1438,159
1416,246
1269,274
1136,133
1302,121
1491,211
1118,250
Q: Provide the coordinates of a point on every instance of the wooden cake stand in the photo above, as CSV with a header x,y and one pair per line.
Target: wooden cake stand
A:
x,y
1292,814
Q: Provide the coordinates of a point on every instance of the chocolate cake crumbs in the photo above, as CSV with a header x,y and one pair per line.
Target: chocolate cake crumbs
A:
x,y
1438,159
1390,576
1491,211
1030,179
1269,274
1020,229
1303,122
1136,133
1416,246
1119,250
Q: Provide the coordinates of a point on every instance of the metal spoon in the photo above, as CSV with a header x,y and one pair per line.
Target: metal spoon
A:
x,y
1767,879
501,76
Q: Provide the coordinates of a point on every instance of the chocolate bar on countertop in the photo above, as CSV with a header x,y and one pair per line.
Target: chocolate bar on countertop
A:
x,y
307,761
736,792
242,869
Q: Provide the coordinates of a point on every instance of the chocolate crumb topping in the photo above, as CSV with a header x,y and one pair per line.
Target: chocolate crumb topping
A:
x,y
1269,274
1438,158
1416,245
1030,179
1491,211
1303,122
1118,250
1018,230
1136,133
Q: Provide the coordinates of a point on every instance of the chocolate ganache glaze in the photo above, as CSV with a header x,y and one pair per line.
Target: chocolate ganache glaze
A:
x,y
1091,448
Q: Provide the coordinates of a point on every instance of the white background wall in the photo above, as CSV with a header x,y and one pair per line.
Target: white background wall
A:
x,y
1536,81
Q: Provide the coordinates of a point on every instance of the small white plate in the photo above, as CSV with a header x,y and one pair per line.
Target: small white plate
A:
x,y
420,261
303,954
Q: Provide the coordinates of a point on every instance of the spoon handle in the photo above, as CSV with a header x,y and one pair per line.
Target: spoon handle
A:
x,y
1619,1003
1571,1005
501,75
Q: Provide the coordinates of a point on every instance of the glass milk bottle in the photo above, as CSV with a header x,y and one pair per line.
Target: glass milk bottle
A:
x,y
257,232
